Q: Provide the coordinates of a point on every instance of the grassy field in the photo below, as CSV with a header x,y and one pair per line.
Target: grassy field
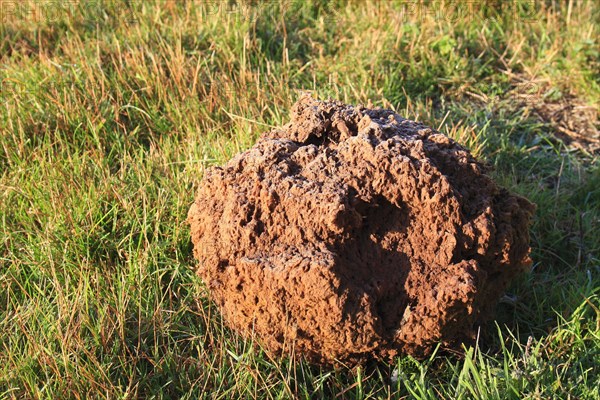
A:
x,y
111,111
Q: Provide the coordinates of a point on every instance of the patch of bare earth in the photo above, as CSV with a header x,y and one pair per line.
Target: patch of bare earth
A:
x,y
572,120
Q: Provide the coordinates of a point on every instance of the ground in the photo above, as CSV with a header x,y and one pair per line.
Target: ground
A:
x,y
111,111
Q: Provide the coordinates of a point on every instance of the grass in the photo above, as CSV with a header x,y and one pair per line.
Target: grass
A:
x,y
112,111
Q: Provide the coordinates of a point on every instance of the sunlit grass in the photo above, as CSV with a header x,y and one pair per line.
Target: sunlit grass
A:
x,y
111,111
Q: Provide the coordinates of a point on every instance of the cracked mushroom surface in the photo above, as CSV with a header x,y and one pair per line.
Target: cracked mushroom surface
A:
x,y
352,233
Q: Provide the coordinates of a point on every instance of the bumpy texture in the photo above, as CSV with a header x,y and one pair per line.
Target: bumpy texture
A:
x,y
353,233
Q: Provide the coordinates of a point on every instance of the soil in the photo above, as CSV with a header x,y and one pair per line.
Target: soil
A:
x,y
564,114
352,233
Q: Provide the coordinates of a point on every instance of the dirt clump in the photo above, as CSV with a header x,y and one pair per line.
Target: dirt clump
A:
x,y
352,233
